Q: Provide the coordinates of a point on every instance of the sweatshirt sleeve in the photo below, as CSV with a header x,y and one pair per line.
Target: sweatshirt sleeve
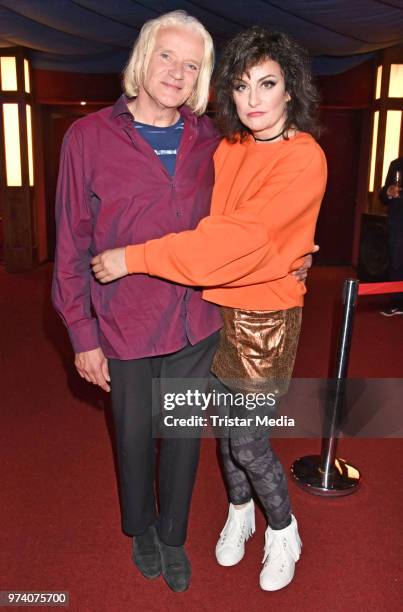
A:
x,y
258,242
72,270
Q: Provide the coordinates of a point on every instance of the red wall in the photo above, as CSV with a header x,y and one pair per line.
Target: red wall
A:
x,y
52,87
340,140
351,89
345,102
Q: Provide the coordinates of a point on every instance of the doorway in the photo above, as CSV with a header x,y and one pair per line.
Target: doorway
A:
x,y
341,141
55,121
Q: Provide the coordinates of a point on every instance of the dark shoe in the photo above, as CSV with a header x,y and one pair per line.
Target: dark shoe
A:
x,y
391,312
176,567
146,553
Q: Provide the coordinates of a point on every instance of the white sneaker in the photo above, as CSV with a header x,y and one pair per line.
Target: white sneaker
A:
x,y
239,527
282,550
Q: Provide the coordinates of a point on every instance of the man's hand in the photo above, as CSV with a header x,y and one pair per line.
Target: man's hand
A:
x,y
93,366
109,265
393,191
302,272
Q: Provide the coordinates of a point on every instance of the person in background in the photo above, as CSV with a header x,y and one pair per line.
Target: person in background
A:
x,y
391,195
270,180
131,173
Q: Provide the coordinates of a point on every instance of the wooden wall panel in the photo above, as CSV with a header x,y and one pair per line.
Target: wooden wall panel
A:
x,y
53,87
337,219
351,89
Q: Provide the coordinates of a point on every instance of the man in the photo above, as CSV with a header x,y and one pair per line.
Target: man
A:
x,y
391,195
130,173
115,189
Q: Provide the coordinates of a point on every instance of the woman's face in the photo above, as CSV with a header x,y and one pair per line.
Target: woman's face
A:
x,y
260,99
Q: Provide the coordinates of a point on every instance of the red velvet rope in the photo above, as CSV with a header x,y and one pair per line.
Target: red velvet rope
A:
x,y
376,288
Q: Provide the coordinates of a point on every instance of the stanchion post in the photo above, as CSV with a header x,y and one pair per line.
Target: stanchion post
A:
x,y
325,474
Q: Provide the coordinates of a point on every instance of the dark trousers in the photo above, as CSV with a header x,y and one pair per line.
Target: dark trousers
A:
x,y
131,392
395,229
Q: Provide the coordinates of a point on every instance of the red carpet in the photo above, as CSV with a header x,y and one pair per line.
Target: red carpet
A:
x,y
60,517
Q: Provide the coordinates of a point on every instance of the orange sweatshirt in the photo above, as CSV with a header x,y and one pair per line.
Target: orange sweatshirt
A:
x,y
264,209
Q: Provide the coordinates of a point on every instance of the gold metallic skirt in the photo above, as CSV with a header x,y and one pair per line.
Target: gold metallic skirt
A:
x,y
257,349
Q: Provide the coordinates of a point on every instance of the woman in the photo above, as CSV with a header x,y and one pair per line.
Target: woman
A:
x,y
270,180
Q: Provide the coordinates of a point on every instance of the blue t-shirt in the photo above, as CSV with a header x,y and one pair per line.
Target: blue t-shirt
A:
x,y
164,140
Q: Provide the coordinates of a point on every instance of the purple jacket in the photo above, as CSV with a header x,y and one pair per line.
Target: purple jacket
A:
x,y
112,191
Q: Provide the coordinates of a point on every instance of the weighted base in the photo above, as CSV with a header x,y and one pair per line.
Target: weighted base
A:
x,y
308,474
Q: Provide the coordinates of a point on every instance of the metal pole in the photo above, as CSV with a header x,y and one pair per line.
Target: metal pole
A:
x,y
325,474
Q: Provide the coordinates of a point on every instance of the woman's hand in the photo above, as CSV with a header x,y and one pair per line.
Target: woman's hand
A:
x,y
109,265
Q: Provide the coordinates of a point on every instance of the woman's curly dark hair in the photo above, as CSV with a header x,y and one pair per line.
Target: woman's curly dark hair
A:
x,y
249,48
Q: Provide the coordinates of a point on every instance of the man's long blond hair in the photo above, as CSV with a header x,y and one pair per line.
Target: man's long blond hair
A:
x,y
135,71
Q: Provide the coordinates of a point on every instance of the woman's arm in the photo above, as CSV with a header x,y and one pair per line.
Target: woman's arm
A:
x,y
258,242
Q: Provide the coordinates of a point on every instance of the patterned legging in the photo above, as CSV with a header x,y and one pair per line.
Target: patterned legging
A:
x,y
250,463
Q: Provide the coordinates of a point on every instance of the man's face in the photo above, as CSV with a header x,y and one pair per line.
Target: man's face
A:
x,y
174,67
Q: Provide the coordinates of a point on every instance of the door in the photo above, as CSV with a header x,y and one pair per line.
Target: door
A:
x,y
341,141
56,121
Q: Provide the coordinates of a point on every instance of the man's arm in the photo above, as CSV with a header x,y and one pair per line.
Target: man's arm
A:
x,y
72,271
388,191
